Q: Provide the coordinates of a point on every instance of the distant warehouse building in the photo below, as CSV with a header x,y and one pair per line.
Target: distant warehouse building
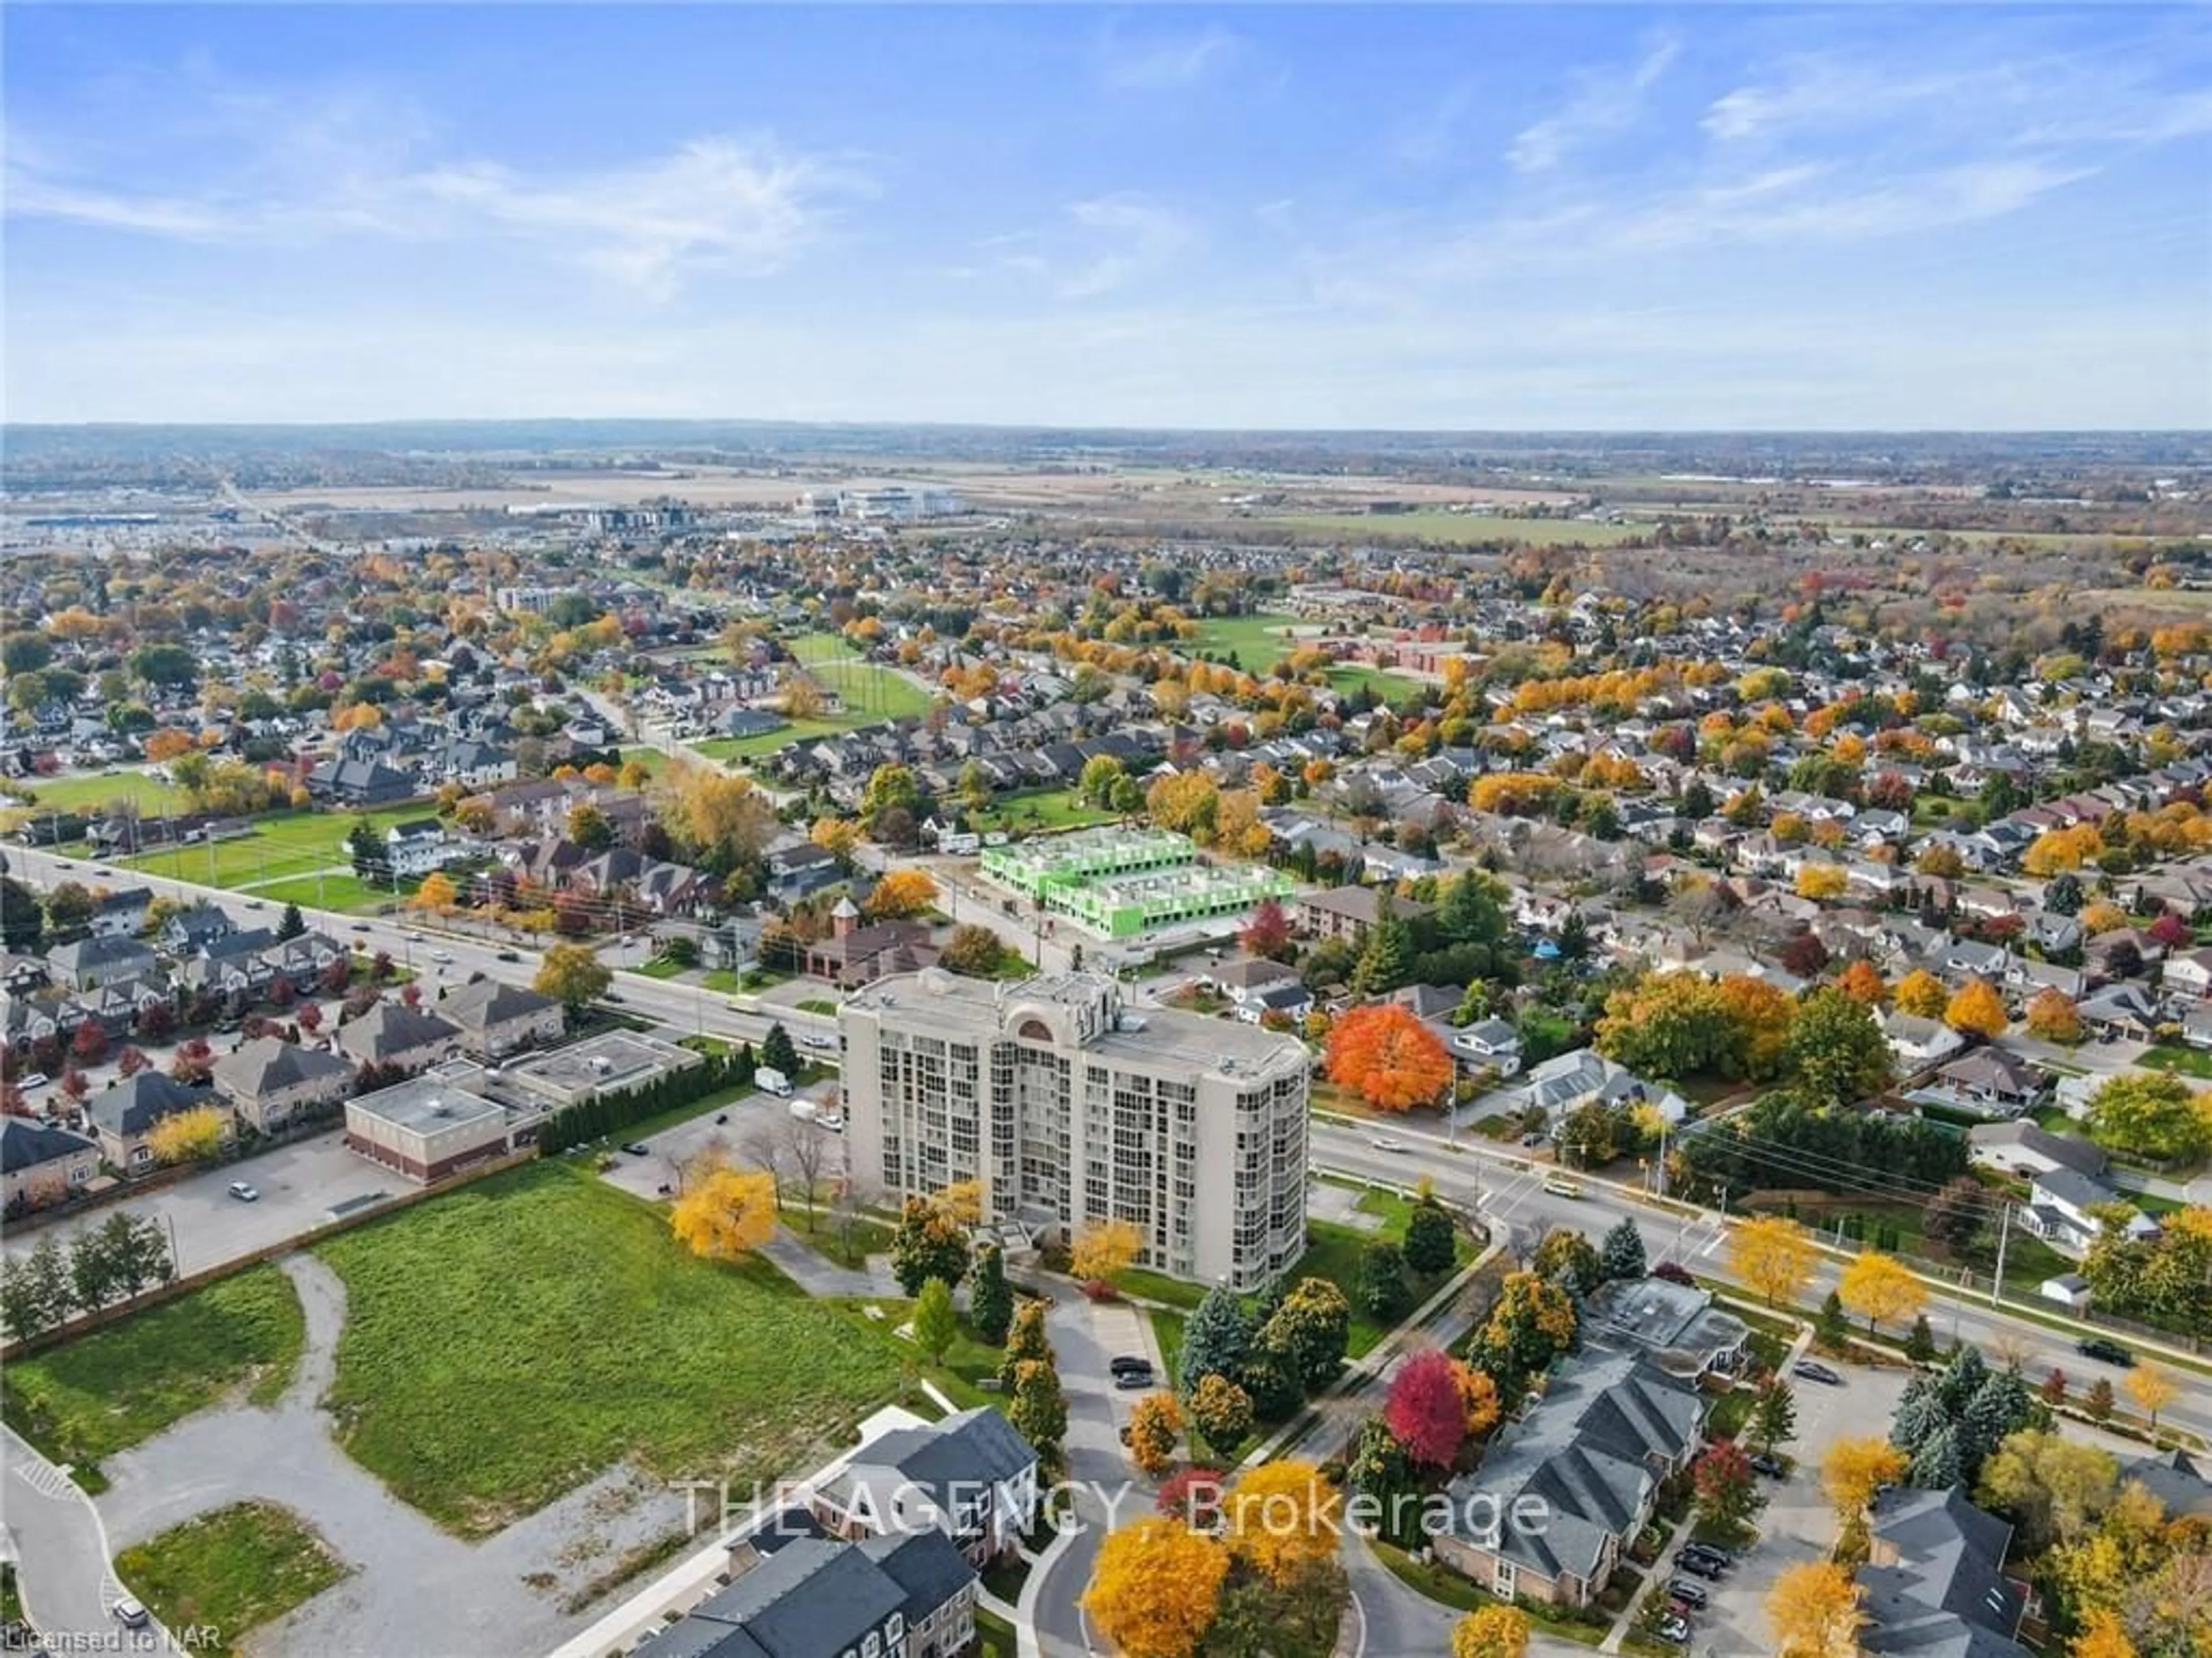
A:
x,y
428,1126
1069,1110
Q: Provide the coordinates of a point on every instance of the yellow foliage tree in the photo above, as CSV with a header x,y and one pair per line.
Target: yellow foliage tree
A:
x,y
902,892
1282,1517
2152,1388
1882,1288
1490,1632
838,837
1977,1010
437,893
1104,1249
1774,1255
186,1136
1922,995
1820,880
1854,1467
1862,982
960,1203
1478,1394
2051,1016
2056,850
1155,1589
2102,1636
1814,1610
1154,1423
726,1214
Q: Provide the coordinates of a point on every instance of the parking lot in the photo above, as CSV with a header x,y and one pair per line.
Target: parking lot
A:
x,y
734,1131
301,1186
1797,1525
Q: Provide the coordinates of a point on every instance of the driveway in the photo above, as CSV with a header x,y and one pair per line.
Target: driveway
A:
x,y
302,1186
671,1152
1797,1524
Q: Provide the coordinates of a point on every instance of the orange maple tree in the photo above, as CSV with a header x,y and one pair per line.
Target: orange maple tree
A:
x,y
1393,1059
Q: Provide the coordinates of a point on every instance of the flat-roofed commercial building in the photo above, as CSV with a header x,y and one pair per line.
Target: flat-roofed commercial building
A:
x,y
1070,1108
429,1126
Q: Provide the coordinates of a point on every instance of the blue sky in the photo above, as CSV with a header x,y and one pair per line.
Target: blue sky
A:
x,y
1515,216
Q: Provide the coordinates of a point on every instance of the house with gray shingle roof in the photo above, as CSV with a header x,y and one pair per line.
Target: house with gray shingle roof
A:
x,y
1934,1582
970,1476
1609,1429
272,1081
41,1164
125,1116
497,1017
392,1033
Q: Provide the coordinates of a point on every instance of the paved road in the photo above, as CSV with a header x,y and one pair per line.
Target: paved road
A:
x,y
61,1552
1477,1173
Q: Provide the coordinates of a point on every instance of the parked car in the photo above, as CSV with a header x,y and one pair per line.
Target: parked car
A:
x,y
1127,1362
1699,1565
1772,1465
1813,1370
637,1148
1673,1629
129,1613
1131,1381
36,1079
245,1193
1689,1592
2104,1348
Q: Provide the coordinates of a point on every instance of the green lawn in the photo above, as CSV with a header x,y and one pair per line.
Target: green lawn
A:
x,y
1466,527
348,894
1040,809
2182,1061
660,968
752,748
116,1387
1390,686
282,845
843,1243
1167,1330
1259,641
510,1340
872,691
89,792
994,1636
230,1570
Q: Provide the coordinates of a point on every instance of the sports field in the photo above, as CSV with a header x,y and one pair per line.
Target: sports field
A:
x,y
89,791
1260,642
869,691
283,847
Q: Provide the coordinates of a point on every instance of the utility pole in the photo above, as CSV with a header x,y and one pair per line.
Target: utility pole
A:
x,y
1662,1186
2004,1232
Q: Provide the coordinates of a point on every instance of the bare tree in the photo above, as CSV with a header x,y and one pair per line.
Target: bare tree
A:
x,y
763,1146
805,1145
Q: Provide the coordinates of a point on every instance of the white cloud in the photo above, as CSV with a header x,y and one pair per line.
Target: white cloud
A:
x,y
717,203
1602,103
1102,246
1164,63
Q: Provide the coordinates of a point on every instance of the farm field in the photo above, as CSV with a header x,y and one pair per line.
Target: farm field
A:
x,y
512,1339
88,791
107,1391
870,690
231,1570
283,845
1468,527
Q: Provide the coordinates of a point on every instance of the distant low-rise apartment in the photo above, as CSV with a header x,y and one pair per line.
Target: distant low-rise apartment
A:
x,y
1070,1109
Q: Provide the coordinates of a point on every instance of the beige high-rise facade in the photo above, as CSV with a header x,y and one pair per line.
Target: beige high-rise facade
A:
x,y
1070,1108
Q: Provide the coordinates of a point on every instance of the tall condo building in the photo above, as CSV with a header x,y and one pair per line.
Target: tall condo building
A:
x,y
1071,1108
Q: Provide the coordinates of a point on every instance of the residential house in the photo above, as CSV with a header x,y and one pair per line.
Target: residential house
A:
x,y
1561,1084
232,965
1991,1081
88,963
272,1083
2173,1477
124,1115
122,914
2061,1205
2119,1009
1610,1428
1488,1045
799,872
1933,1583
1918,1044
496,1018
2026,1148
194,929
970,1477
1290,1000
393,1033
2188,972
855,955
40,1165
415,848
907,1595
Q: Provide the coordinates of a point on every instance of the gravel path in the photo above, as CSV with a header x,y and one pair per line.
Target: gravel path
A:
x,y
413,1588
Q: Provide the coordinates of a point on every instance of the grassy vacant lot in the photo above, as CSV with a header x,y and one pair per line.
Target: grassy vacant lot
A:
x,y
89,791
752,748
868,689
1466,527
1390,686
2182,1062
283,845
1260,642
231,1570
510,1340
109,1390
1040,809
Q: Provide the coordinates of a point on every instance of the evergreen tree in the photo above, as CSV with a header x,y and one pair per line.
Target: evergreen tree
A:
x,y
1430,1246
1835,1326
1388,957
1920,1342
293,924
1961,1379
1936,1466
778,1053
935,1324
1920,1416
2000,1407
1025,1340
1313,1324
1382,1280
1773,1415
1215,1342
1270,1376
990,1297
1622,1254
